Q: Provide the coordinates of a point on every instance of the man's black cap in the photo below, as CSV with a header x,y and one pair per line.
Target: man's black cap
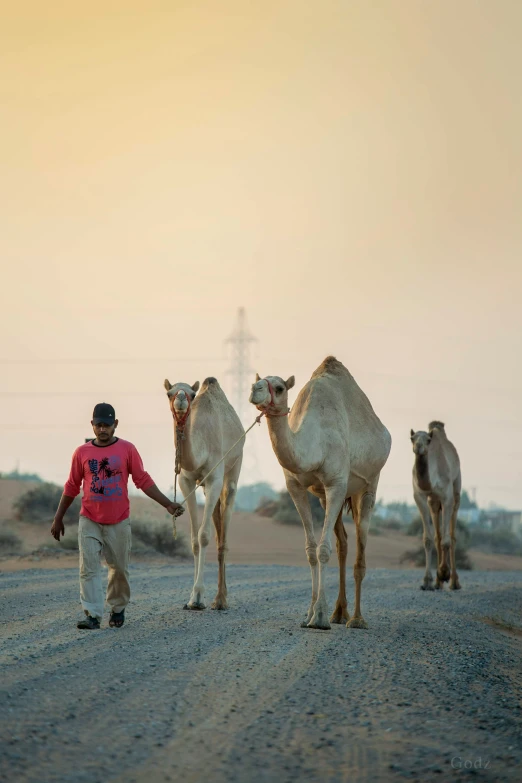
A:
x,y
103,413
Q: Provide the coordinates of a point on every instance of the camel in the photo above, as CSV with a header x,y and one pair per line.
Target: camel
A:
x,y
436,489
208,426
333,445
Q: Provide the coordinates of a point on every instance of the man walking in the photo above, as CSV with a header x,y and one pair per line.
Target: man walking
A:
x,y
104,465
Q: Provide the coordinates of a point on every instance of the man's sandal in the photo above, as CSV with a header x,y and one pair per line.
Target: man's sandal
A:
x,y
117,619
89,624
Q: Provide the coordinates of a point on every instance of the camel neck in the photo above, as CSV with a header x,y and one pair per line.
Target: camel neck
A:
x,y
422,472
188,461
286,444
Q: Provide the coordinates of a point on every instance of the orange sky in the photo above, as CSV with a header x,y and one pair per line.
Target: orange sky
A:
x,y
348,171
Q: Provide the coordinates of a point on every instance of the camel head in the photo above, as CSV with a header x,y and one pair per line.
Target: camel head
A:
x,y
420,441
180,396
271,392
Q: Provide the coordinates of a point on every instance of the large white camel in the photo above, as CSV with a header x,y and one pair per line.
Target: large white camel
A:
x,y
436,489
208,426
333,445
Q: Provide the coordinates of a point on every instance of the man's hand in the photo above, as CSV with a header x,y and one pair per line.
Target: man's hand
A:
x,y
57,528
175,509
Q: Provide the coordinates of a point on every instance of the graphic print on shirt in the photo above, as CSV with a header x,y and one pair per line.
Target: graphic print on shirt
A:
x,y
106,477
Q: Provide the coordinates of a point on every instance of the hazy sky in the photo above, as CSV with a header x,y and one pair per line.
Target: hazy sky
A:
x,y
348,171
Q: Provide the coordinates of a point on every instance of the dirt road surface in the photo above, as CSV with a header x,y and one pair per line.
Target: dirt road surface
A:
x,y
246,695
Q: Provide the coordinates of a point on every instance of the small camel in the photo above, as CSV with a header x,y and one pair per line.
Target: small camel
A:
x,y
436,489
333,445
209,428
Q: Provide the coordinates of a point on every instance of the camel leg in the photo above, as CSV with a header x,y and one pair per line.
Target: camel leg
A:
x,y
362,523
454,583
340,613
218,525
443,571
213,486
300,497
187,485
335,497
224,509
427,538
435,511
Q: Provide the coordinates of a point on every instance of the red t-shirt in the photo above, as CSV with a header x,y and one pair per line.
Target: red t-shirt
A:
x,y
105,472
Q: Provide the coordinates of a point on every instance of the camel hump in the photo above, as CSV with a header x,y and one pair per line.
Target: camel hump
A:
x,y
330,366
436,425
210,381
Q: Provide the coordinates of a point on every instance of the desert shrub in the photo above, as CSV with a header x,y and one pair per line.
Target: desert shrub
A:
x,y
386,524
40,504
70,540
417,557
158,535
502,541
392,524
415,527
251,496
286,512
267,508
14,474
10,543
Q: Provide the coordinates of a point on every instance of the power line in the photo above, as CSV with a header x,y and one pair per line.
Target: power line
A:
x,y
240,340
72,361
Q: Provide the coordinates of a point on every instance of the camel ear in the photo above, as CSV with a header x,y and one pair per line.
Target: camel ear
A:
x,y
258,377
167,384
412,434
290,382
195,386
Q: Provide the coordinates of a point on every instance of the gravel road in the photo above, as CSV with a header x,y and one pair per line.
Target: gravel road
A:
x,y
247,695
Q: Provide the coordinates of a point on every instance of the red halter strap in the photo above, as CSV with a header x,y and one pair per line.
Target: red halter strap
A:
x,y
266,410
182,419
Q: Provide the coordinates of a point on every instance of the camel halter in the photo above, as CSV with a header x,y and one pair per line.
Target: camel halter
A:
x,y
179,437
271,404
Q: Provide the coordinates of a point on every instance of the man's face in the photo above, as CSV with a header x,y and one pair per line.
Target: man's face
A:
x,y
104,432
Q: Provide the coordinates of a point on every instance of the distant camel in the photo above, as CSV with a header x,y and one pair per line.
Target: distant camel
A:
x,y
333,445
210,428
436,489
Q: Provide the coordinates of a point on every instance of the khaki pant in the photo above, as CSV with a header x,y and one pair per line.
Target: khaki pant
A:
x,y
115,541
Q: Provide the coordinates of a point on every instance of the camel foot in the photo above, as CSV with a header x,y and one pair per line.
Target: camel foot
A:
x,y
438,585
455,585
427,586
309,614
357,622
195,603
321,624
219,604
320,616
340,615
443,573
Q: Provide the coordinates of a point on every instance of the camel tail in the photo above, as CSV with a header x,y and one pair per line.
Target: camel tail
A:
x,y
348,506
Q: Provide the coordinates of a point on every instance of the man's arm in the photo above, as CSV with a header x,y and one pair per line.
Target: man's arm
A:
x,y
58,528
144,482
155,494
71,490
